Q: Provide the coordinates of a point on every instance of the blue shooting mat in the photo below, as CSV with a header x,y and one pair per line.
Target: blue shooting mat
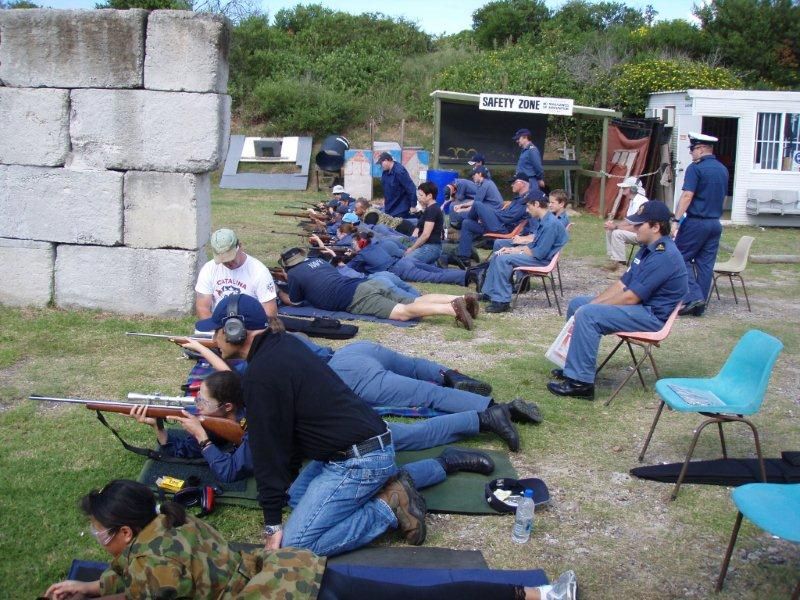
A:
x,y
312,311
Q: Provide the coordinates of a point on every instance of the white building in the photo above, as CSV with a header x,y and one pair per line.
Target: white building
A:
x,y
759,142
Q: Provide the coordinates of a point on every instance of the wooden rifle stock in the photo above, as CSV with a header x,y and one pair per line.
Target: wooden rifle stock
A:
x,y
286,213
226,429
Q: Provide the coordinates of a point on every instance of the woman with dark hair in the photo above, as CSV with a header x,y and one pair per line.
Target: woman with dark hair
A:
x,y
161,552
427,246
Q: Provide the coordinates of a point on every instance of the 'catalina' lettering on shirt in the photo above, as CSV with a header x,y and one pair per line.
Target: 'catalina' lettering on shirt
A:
x,y
229,281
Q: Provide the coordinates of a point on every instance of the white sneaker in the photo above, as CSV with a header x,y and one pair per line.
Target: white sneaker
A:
x,y
564,588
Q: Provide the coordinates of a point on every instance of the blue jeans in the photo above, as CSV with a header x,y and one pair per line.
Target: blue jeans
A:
x,y
411,270
592,322
427,253
426,472
333,504
698,241
436,431
383,377
398,285
501,244
498,277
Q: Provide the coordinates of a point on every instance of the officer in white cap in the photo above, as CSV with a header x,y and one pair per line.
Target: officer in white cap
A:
x,y
697,228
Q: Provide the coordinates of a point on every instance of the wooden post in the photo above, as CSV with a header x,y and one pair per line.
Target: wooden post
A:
x,y
603,163
575,195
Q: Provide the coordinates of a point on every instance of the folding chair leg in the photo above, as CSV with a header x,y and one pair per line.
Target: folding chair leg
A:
x,y
653,362
547,293
608,358
726,561
555,295
560,287
652,429
519,288
636,368
758,447
722,440
689,454
733,288
744,289
637,363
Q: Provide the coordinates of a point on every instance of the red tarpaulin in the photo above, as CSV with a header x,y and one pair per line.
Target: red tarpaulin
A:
x,y
616,141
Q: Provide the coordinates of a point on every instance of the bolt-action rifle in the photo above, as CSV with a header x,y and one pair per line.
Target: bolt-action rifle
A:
x,y
226,429
176,339
161,399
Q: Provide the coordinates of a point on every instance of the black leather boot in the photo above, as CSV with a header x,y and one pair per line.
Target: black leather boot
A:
x,y
454,460
497,419
459,381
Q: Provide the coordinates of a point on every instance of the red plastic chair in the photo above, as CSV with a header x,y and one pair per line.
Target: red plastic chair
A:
x,y
542,273
647,340
507,236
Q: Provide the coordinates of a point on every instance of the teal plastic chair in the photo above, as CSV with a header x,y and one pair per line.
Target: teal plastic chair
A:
x,y
737,390
774,507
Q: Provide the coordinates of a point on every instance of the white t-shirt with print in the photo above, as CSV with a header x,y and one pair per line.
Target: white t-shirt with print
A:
x,y
252,278
635,203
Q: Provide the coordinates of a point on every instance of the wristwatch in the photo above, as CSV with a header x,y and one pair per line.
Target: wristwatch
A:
x,y
270,530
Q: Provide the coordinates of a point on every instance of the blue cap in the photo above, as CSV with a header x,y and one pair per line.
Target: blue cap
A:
x,y
249,310
384,156
651,211
477,158
520,176
521,132
351,217
482,170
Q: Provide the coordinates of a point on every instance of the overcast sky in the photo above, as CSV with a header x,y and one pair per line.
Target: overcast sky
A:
x,y
433,16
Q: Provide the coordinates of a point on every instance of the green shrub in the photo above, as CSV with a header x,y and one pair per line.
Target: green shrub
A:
x,y
631,83
356,67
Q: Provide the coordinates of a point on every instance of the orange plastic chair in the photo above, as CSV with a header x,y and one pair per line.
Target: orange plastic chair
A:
x,y
507,236
542,273
647,340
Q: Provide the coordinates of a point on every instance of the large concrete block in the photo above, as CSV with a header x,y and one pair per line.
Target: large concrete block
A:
x,y
26,267
72,48
125,280
167,210
148,131
187,51
61,205
34,127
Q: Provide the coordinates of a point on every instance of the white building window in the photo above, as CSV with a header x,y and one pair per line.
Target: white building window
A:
x,y
778,141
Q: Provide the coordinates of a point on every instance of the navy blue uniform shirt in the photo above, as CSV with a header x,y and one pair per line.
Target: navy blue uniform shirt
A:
x,y
658,277
530,163
708,179
372,258
321,285
488,193
465,189
399,191
550,237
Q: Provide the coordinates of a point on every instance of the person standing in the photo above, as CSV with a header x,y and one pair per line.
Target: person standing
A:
x,y
399,191
620,233
530,159
696,227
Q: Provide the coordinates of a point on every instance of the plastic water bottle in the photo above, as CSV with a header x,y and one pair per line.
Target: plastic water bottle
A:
x,y
523,521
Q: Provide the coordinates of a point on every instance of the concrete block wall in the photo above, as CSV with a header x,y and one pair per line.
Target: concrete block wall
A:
x,y
111,124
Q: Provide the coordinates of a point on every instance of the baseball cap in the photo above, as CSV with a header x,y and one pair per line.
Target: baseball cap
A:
x,y
630,182
351,217
292,257
476,158
482,170
521,132
249,310
384,156
225,245
650,211
520,176
337,189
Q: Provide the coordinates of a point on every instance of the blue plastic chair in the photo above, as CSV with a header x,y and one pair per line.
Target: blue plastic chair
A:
x,y
774,507
739,387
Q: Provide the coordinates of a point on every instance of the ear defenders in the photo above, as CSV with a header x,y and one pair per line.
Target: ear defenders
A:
x,y
202,496
233,324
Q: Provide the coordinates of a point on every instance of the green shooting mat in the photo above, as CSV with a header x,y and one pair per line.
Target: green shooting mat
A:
x,y
461,493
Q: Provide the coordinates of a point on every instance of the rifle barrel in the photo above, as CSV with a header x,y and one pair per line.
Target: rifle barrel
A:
x,y
161,399
166,336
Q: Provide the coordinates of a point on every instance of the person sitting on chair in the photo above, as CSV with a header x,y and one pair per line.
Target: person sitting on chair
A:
x,y
641,300
620,233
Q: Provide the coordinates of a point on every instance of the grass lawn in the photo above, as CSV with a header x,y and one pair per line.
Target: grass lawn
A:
x,y
623,537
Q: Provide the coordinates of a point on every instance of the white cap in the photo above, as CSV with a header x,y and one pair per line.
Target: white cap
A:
x,y
701,138
630,182
337,189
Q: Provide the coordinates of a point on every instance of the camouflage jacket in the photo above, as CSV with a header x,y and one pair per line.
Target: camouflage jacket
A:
x,y
385,219
194,561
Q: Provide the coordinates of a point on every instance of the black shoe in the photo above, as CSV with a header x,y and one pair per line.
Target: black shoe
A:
x,y
484,298
459,381
558,374
498,307
497,419
524,412
463,262
472,461
691,307
471,276
570,387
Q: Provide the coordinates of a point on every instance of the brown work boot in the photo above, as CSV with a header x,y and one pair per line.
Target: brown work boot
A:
x,y
407,505
462,313
472,303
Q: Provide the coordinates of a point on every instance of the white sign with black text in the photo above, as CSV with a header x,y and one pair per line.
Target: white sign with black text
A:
x,y
529,104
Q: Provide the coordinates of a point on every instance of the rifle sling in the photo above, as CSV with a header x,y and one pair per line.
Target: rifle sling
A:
x,y
148,452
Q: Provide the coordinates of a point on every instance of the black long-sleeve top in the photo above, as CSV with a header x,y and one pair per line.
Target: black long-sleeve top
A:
x,y
296,405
